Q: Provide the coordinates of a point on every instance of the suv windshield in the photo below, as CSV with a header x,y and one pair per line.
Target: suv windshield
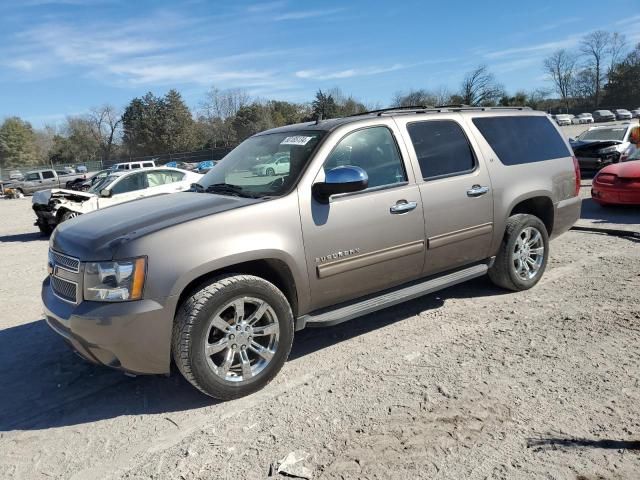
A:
x,y
265,165
604,134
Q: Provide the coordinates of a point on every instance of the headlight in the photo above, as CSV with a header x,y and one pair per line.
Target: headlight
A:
x,y
114,281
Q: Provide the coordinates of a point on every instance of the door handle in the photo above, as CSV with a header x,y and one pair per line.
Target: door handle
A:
x,y
402,206
477,191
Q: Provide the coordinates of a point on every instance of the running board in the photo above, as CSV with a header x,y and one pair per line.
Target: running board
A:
x,y
359,308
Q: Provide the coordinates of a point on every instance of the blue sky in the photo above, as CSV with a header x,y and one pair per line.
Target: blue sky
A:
x,y
61,57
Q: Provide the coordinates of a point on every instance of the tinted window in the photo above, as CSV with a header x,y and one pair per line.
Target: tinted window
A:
x,y
130,183
147,164
441,147
375,151
521,139
47,175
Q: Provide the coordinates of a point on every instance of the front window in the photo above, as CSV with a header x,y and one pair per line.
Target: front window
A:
x,y
604,134
375,151
263,166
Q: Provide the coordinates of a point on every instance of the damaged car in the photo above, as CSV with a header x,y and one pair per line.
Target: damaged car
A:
x,y
601,146
55,206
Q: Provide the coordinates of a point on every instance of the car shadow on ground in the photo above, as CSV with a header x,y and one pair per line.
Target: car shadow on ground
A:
x,y
623,214
583,442
23,237
47,386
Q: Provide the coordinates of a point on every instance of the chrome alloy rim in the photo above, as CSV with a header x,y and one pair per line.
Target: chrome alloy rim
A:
x,y
528,253
242,338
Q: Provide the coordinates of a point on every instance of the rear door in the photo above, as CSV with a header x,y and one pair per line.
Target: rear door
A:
x,y
455,188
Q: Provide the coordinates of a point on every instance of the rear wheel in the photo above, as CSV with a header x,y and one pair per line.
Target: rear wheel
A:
x,y
270,172
523,253
233,336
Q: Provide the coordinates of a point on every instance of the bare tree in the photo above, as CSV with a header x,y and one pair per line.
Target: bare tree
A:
x,y
561,66
595,47
223,103
105,122
617,46
479,87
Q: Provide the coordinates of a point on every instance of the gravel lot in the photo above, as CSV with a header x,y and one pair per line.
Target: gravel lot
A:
x,y
473,382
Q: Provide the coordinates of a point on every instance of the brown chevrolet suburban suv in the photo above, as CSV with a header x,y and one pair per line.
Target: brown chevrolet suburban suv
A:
x,y
310,225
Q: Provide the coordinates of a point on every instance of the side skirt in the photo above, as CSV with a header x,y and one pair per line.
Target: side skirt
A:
x,y
372,303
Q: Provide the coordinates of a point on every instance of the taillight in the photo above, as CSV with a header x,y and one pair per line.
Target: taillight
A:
x,y
608,178
576,167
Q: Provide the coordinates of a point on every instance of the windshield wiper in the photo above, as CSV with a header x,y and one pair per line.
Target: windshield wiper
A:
x,y
227,189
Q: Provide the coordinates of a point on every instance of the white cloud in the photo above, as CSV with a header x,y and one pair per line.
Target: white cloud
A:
x,y
568,42
304,14
21,64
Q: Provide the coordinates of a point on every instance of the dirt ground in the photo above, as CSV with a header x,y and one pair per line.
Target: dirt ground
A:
x,y
473,382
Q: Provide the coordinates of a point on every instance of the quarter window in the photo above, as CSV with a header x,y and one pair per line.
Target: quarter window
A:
x,y
375,151
442,148
522,139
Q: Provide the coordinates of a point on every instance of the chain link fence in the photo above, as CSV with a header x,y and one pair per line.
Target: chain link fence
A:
x,y
95,165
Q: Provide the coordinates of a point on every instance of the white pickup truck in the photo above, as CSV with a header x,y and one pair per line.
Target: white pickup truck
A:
x,y
37,180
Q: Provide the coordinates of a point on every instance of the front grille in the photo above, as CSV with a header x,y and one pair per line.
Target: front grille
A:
x,y
64,289
64,261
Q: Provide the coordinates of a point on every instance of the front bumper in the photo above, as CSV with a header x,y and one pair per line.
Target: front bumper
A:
x,y
130,336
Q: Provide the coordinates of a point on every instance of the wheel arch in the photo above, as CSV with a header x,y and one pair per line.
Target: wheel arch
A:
x,y
273,270
540,206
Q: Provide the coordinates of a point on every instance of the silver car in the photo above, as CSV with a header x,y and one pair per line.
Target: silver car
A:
x,y
622,114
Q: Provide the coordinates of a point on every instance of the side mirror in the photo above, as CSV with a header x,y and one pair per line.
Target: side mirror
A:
x,y
344,179
105,192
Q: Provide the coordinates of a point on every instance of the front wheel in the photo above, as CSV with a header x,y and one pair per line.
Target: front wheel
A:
x,y
523,254
232,337
270,172
68,215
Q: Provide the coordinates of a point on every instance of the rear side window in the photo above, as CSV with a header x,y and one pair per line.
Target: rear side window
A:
x,y
518,140
442,148
47,175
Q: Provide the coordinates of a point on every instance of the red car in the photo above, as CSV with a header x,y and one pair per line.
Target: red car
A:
x,y
618,184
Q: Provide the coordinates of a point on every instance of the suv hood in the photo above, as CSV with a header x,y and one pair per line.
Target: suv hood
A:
x,y
98,235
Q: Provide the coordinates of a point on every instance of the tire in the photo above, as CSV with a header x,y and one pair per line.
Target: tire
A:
x,y
45,229
270,172
202,345
509,270
67,215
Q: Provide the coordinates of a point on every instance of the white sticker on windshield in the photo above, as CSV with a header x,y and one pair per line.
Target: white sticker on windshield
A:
x,y
297,140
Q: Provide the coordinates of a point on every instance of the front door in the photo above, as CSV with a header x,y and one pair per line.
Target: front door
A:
x,y
365,241
125,189
455,190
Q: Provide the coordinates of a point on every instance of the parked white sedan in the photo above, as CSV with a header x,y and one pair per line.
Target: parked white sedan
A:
x,y
58,205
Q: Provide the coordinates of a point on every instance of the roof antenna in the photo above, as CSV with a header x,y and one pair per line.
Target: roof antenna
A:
x,y
319,118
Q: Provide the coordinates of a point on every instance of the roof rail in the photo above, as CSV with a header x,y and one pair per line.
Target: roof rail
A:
x,y
391,109
438,109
